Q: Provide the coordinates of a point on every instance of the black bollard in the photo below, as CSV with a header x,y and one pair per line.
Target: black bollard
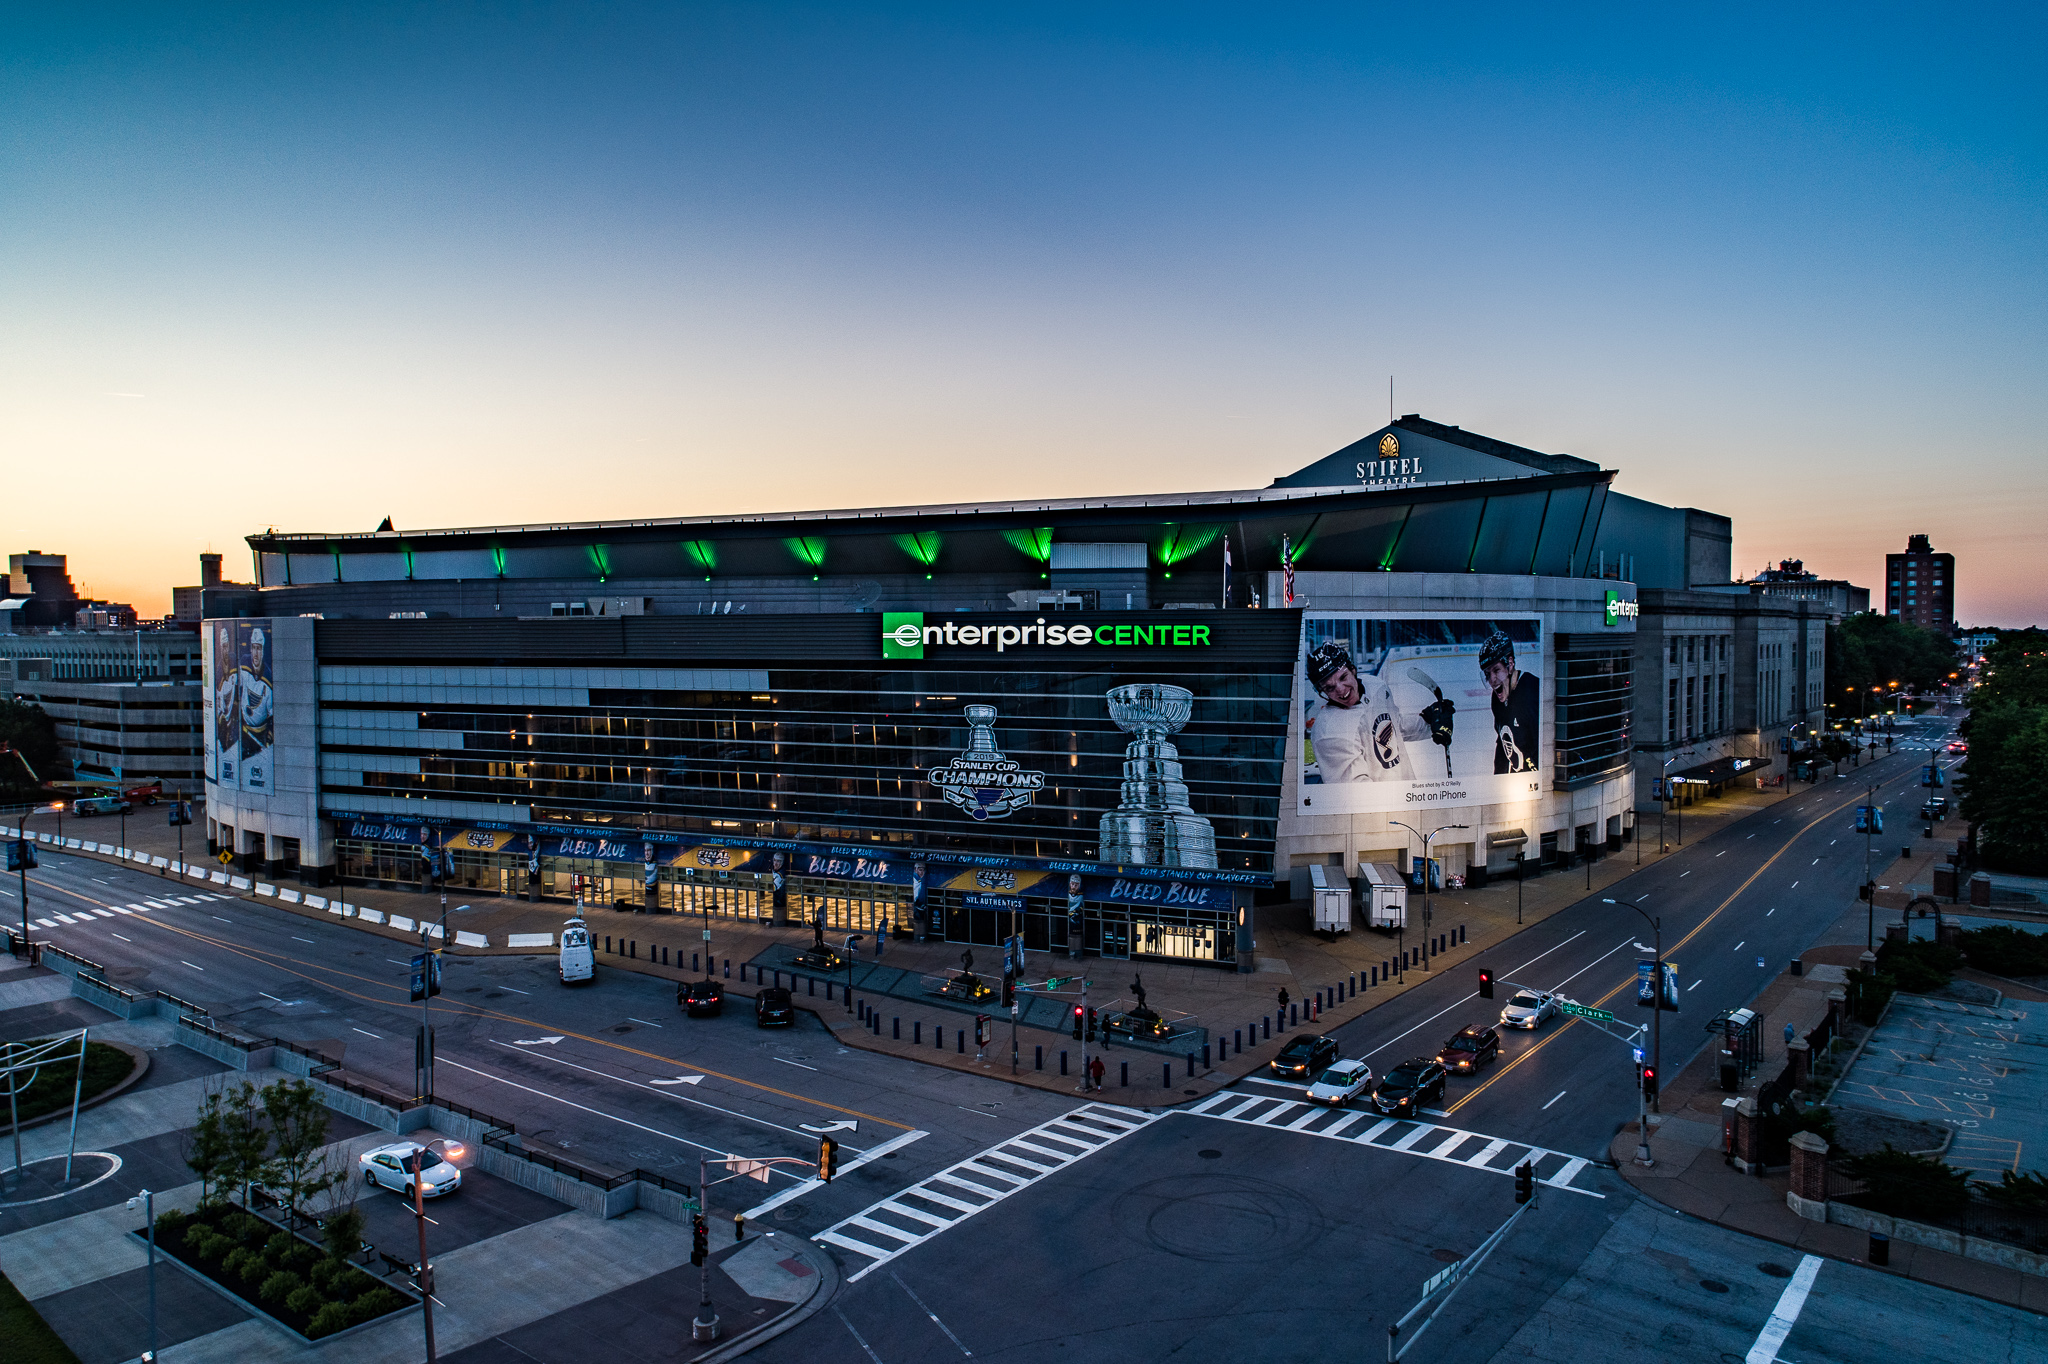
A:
x,y
1063,1061
1127,1075
895,1028
1038,1058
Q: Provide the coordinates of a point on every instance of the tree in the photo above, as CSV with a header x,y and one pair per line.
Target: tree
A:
x,y
1868,651
298,1129
2003,789
2015,670
207,1151
246,1138
27,729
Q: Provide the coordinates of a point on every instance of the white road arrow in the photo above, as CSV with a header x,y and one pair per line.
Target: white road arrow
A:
x,y
537,1042
841,1126
680,1080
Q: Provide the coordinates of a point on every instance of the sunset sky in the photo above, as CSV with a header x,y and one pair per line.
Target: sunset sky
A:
x,y
305,267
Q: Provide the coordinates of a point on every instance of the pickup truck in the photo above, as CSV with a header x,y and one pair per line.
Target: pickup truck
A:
x,y
101,805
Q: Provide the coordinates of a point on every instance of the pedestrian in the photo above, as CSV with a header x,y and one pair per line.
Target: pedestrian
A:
x,y
1095,1073
1790,1033
1283,999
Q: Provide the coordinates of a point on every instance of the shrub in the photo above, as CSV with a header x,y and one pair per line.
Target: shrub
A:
x,y
278,1249
2005,951
375,1303
279,1286
324,1274
304,1300
170,1225
1905,1185
1918,968
243,1226
332,1317
344,1233
206,1243
238,1260
255,1270
2018,1190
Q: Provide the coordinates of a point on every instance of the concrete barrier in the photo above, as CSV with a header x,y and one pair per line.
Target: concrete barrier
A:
x,y
1939,1238
114,1000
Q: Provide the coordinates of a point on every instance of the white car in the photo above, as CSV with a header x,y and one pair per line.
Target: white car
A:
x,y
1341,1083
391,1167
1528,1009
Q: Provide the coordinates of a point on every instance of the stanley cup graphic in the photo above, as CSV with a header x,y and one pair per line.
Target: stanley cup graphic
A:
x,y
1154,825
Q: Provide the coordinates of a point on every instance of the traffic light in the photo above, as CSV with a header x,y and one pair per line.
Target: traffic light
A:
x,y
1650,1083
1525,1182
828,1158
1009,992
700,1239
1078,1011
1090,1033
1485,983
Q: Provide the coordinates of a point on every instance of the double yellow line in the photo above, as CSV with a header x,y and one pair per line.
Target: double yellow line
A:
x,y
289,966
1501,1073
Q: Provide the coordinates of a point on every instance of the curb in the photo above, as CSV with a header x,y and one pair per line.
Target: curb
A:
x,y
140,1069
799,1313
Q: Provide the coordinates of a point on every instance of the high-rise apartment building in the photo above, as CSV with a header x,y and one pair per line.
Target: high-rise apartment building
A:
x,y
1920,586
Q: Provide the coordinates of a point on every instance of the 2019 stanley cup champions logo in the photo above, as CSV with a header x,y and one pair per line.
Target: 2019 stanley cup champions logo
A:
x,y
982,781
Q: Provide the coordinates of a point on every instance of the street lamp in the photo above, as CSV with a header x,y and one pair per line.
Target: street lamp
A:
x,y
147,1202
1426,939
1656,923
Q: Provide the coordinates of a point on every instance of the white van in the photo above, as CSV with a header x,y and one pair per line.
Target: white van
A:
x,y
579,963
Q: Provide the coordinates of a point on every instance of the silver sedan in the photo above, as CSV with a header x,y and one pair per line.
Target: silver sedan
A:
x,y
1528,1009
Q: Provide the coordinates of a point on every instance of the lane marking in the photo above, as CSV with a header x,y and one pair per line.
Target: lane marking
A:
x,y
367,1033
1718,910
798,1064
124,939
1560,1094
643,1022
637,1084
182,962
290,966
308,941
1785,1315
928,1312
858,1338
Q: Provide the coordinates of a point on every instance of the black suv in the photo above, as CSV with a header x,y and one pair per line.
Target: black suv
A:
x,y
1472,1048
1410,1085
697,997
1935,810
773,1009
1308,1054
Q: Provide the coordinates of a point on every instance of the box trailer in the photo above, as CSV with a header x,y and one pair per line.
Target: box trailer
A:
x,y
1385,895
1331,893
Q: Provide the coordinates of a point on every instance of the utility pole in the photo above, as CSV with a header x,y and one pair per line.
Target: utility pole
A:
x,y
1656,922
1426,918
419,1212
148,1202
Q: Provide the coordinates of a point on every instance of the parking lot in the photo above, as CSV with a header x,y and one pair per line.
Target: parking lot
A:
x,y
1981,1071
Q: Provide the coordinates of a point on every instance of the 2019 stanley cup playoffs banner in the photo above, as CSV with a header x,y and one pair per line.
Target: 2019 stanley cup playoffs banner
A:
x,y
1407,712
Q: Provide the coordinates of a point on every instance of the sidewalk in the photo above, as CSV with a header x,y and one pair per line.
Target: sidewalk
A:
x,y
1290,955
1692,1175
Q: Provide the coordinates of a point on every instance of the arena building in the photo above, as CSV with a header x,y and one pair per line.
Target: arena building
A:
x,y
1116,723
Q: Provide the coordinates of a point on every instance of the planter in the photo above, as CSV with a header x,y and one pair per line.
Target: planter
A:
x,y
365,1298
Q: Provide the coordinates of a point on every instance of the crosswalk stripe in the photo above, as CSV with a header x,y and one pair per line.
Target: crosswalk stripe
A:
x,y
873,1252
1305,1119
46,923
980,1177
124,909
1564,1176
1489,1151
1424,1140
942,1200
901,1211
1271,1116
1220,1097
1348,1118
104,913
883,1227
66,919
1421,1130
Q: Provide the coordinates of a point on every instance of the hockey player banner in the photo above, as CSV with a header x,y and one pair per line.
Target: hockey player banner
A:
x,y
254,703
1406,712
224,717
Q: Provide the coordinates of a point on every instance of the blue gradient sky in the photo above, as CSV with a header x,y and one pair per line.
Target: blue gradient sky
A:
x,y
521,263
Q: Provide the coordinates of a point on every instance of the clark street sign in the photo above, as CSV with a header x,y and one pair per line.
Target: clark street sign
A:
x,y
1581,1011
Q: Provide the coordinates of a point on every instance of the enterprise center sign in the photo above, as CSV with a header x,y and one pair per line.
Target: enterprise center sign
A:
x,y
905,635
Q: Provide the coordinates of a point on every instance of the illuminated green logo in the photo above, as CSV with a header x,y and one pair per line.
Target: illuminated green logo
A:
x,y
903,634
1620,608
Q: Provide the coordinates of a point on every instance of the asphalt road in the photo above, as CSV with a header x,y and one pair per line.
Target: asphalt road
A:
x,y
1282,1242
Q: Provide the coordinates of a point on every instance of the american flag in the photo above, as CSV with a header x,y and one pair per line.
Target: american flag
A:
x,y
1287,570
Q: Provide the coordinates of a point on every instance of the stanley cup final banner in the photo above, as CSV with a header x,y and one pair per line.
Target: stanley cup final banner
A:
x,y
1407,712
